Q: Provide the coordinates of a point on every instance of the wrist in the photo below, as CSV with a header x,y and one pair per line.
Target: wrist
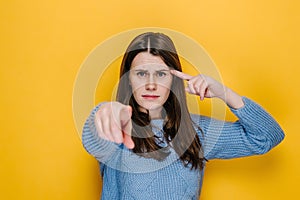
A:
x,y
232,99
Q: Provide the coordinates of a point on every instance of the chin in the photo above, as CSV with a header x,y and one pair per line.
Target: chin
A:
x,y
151,107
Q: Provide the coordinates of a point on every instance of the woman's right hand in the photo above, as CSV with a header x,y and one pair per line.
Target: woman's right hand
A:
x,y
113,123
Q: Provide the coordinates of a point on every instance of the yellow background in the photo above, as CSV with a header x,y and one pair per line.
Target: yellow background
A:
x,y
255,45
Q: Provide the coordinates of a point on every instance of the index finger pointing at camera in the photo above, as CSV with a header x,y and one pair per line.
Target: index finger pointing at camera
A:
x,y
181,75
126,126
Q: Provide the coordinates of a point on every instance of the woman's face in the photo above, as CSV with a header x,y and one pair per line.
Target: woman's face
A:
x,y
151,80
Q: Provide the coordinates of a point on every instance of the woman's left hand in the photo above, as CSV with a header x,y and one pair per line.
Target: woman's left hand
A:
x,y
202,85
207,87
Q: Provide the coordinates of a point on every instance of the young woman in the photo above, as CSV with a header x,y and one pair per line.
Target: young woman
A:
x,y
148,144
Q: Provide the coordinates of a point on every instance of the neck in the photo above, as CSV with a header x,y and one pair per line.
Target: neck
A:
x,y
153,113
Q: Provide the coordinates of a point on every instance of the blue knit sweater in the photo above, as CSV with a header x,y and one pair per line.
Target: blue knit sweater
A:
x,y
129,176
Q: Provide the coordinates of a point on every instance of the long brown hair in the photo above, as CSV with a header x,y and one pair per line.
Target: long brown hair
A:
x,y
178,129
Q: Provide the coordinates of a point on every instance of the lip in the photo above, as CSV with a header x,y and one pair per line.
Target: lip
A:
x,y
150,96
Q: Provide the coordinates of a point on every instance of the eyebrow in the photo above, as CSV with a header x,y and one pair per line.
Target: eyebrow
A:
x,y
145,70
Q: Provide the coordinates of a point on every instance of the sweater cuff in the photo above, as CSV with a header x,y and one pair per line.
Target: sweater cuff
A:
x,y
249,107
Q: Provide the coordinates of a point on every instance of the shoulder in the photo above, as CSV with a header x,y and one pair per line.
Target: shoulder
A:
x,y
205,124
201,123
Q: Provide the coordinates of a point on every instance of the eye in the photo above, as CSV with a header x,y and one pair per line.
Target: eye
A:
x,y
161,74
141,74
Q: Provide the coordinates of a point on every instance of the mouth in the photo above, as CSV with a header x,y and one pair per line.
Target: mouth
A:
x,y
150,96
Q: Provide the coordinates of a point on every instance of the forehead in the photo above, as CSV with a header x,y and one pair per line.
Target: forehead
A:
x,y
146,59
150,67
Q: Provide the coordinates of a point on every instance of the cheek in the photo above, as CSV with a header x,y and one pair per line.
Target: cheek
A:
x,y
136,84
166,92
137,92
168,89
167,84
137,87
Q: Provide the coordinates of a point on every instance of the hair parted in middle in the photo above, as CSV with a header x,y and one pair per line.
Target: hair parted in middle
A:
x,y
178,128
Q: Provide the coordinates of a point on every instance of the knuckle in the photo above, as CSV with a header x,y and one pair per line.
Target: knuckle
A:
x,y
104,111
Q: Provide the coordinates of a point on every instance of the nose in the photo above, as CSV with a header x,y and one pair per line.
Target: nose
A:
x,y
151,83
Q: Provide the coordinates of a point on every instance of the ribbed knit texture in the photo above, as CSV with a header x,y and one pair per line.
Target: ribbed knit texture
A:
x,y
129,176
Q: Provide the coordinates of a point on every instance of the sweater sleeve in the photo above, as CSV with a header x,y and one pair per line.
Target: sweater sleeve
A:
x,y
255,132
